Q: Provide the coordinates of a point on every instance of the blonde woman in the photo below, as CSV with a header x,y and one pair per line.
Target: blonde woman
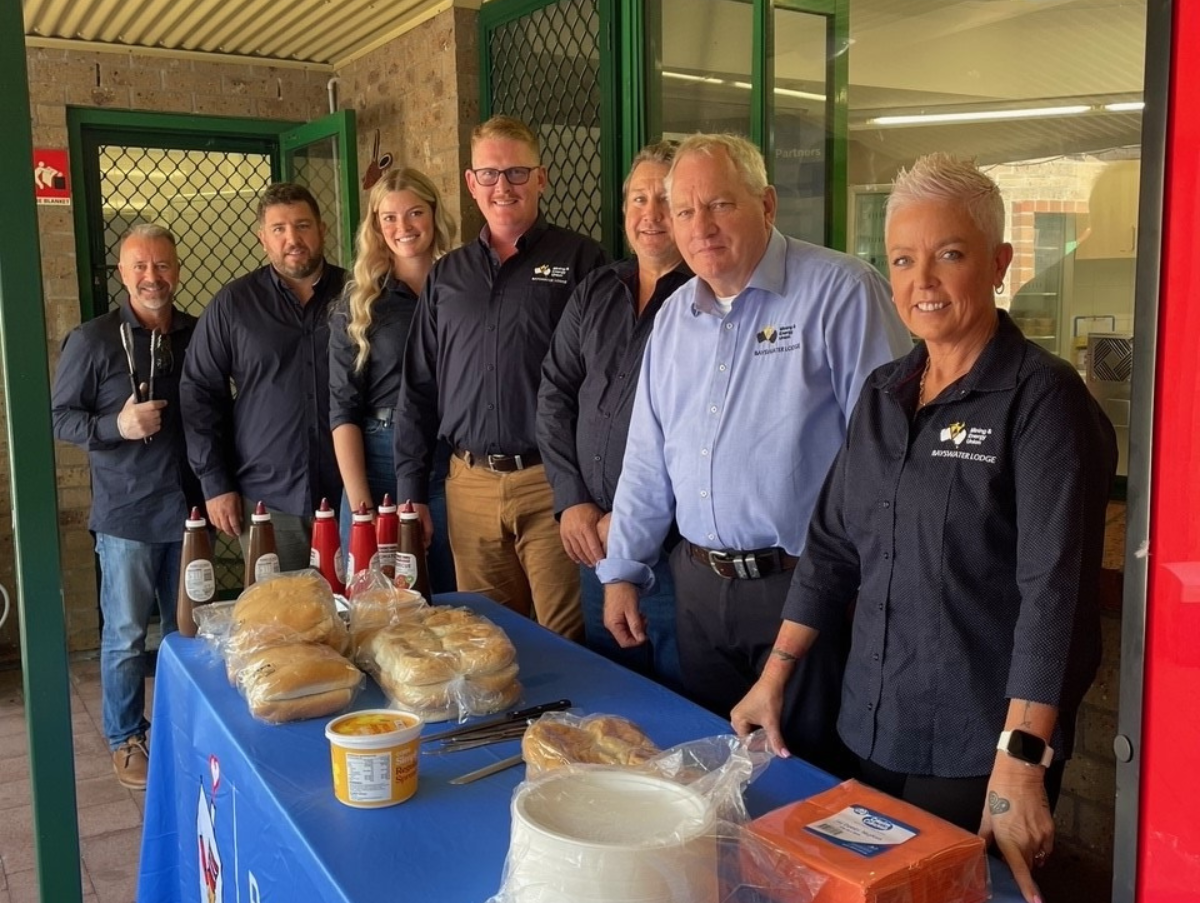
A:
x,y
405,228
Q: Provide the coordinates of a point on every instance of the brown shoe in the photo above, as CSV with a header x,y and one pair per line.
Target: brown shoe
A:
x,y
131,761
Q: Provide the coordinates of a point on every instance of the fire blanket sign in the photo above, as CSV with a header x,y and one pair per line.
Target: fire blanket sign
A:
x,y
51,179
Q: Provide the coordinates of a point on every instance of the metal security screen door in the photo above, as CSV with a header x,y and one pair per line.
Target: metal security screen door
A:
x,y
321,156
544,67
204,189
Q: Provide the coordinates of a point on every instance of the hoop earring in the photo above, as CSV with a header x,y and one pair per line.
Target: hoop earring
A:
x,y
1000,289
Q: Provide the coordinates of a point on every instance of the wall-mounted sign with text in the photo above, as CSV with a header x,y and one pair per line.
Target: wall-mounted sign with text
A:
x,y
51,177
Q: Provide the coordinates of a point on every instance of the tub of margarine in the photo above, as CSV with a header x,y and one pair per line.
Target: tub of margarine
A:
x,y
374,757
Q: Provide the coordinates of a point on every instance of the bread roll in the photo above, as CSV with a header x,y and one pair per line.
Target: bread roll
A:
x,y
382,606
556,740
289,608
297,680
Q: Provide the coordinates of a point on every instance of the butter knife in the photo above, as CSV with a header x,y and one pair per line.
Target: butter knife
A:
x,y
488,770
491,724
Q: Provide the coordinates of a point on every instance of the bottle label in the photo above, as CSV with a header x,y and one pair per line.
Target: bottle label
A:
x,y
314,558
339,565
266,565
406,570
199,581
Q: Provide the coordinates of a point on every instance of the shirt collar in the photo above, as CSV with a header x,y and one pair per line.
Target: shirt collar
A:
x,y
768,276
283,286
995,370
527,237
128,316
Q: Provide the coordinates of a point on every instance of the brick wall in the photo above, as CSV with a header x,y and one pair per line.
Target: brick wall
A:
x,y
420,92
145,82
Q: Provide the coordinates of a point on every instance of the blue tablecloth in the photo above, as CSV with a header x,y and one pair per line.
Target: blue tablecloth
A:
x,y
247,811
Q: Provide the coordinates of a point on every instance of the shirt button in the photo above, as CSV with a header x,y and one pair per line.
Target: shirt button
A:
x,y
722,368
881,606
712,536
491,407
875,657
886,556
729,326
491,327
620,376
595,457
703,493
704,451
885,504
870,706
712,409
491,367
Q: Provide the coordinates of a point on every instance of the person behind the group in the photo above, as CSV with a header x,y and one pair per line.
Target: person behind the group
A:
x,y
406,227
471,374
142,486
966,513
589,380
746,387
266,335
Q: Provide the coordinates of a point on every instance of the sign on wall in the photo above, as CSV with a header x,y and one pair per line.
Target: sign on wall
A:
x,y
51,179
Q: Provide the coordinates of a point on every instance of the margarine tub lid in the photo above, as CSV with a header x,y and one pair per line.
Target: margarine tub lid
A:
x,y
373,723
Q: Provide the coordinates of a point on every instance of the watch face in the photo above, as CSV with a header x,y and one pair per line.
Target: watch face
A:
x,y
1026,747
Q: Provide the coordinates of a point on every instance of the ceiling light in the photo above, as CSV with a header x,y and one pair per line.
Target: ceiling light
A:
x,y
979,115
1132,106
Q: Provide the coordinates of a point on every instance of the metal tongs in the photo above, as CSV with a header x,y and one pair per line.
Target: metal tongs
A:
x,y
493,730
135,384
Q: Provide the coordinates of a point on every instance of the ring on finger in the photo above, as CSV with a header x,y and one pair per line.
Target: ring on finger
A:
x,y
1039,857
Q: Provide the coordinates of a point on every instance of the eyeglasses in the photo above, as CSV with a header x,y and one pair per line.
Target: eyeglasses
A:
x,y
514,175
162,360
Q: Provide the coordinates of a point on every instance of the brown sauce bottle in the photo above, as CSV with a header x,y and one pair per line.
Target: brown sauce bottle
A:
x,y
197,578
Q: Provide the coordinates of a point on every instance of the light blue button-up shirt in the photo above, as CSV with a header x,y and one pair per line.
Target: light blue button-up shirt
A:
x,y
738,417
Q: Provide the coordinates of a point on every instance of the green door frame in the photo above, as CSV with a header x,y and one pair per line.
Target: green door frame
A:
x,y
34,497
86,128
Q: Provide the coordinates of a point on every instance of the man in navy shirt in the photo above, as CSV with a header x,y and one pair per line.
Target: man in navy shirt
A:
x,y
141,484
266,335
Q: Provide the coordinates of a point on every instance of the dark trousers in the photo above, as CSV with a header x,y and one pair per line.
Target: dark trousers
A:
x,y
726,630
958,800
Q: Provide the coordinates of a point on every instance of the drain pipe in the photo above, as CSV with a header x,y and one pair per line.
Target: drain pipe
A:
x,y
331,87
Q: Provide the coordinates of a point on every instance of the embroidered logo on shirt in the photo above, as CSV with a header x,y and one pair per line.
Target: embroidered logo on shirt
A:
x,y
961,434
771,335
547,273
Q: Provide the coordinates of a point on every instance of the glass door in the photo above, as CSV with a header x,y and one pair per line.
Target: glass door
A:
x,y
322,156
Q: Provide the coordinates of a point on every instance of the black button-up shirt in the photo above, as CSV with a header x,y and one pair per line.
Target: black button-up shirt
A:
x,y
589,381
354,394
475,351
973,537
140,490
266,436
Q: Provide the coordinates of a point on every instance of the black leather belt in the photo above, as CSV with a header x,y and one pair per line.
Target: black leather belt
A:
x,y
499,463
734,565
383,415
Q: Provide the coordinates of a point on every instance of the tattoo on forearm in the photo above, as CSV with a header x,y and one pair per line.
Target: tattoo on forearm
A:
x,y
1025,720
997,804
784,655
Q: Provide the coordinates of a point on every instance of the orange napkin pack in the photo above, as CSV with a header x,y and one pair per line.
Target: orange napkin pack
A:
x,y
868,847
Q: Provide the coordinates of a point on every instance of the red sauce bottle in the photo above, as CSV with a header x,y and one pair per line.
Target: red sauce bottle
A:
x,y
326,553
387,526
363,547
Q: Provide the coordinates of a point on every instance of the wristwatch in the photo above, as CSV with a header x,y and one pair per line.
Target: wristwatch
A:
x,y
1026,747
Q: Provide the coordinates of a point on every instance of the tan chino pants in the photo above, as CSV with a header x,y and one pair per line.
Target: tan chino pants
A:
x,y
506,544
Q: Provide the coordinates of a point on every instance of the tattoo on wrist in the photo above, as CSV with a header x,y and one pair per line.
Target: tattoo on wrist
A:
x,y
784,655
1025,721
997,804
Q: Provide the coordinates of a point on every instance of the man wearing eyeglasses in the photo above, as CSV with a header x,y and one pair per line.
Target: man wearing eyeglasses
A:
x,y
142,486
471,374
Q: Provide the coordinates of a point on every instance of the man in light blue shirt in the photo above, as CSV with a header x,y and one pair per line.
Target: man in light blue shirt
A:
x,y
745,391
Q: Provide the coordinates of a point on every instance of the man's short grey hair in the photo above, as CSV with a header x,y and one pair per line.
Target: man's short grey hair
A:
x,y
659,152
150,232
747,159
941,177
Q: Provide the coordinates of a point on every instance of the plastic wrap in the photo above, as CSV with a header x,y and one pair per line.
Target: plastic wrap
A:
x,y
871,847
442,663
665,831
296,681
558,739
374,602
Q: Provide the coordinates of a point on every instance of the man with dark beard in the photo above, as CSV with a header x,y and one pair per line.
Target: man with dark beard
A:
x,y
255,390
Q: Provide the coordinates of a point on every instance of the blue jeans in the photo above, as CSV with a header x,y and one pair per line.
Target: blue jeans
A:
x,y
381,478
134,578
658,657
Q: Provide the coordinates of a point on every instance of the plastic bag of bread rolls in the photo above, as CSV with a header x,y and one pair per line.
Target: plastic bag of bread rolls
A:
x,y
294,607
375,602
443,663
560,738
296,681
